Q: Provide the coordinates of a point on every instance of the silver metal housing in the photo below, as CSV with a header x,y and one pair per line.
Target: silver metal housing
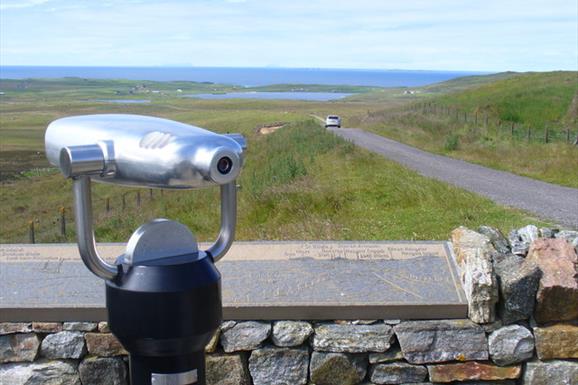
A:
x,y
148,152
143,151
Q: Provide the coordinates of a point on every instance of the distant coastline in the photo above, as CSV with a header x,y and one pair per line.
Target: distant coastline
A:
x,y
245,77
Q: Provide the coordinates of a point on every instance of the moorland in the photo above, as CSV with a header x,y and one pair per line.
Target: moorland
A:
x,y
300,181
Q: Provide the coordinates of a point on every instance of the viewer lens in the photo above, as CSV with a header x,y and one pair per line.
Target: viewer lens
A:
x,y
224,165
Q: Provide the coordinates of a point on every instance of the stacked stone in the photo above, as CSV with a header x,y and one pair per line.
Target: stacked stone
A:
x,y
355,352
55,353
298,352
523,290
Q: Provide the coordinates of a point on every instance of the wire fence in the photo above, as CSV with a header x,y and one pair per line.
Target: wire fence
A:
x,y
482,123
58,224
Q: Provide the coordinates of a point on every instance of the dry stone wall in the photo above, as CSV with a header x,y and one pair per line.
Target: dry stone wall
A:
x,y
522,329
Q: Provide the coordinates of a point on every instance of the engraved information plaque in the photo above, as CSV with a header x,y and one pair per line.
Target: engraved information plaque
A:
x,y
260,280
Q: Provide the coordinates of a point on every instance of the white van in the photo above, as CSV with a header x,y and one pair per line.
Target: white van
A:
x,y
332,121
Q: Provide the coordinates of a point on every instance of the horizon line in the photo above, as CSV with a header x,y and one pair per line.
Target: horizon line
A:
x,y
267,68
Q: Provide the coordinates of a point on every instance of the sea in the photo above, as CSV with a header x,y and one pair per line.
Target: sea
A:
x,y
245,77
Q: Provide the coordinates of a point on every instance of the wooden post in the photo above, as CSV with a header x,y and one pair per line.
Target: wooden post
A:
x,y
567,134
476,118
63,221
529,133
486,120
31,235
162,193
151,194
107,204
512,129
123,197
546,133
138,198
465,116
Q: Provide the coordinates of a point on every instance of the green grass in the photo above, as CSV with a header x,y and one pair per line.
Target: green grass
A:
x,y
531,100
466,83
300,182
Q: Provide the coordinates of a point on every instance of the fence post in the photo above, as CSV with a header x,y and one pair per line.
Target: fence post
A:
x,y
63,221
138,198
31,235
529,133
512,129
107,203
568,134
123,198
546,133
151,194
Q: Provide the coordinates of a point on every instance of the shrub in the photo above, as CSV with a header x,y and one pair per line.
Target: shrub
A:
x,y
452,142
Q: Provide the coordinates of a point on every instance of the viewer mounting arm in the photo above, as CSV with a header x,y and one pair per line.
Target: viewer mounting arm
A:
x,y
85,232
228,221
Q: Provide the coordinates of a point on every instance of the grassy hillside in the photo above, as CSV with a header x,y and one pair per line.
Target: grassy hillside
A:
x,y
300,182
467,82
532,99
530,102
404,95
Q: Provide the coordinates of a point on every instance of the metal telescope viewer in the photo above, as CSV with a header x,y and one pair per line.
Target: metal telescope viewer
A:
x,y
163,294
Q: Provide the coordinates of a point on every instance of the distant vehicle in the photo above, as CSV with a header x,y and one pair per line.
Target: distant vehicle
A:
x,y
333,121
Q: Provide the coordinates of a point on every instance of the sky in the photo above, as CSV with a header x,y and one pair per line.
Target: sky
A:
x,y
454,35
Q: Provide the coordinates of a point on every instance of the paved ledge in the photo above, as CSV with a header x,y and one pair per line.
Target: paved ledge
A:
x,y
261,280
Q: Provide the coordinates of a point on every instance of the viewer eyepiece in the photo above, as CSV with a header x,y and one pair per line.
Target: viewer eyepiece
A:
x,y
224,165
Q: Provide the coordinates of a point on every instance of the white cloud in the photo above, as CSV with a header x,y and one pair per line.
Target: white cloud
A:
x,y
445,34
16,4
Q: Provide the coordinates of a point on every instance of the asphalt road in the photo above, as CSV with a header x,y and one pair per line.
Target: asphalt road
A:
x,y
548,201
